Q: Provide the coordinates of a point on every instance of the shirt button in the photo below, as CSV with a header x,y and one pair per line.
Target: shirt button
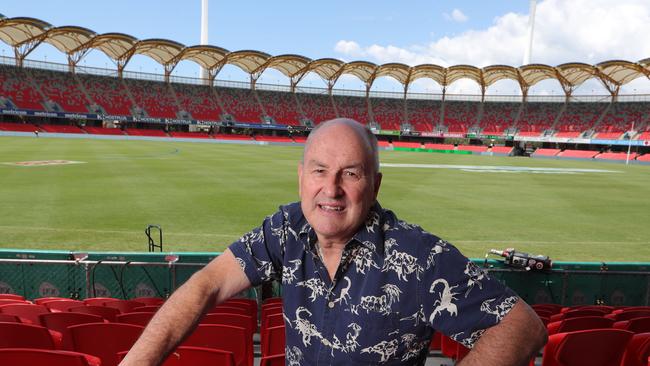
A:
x,y
331,304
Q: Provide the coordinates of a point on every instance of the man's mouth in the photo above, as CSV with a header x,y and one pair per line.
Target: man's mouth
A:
x,y
331,208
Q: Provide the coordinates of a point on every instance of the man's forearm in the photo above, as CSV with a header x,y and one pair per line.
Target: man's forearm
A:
x,y
175,319
512,342
218,281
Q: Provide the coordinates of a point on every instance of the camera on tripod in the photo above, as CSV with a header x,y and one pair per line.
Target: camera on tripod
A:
x,y
523,260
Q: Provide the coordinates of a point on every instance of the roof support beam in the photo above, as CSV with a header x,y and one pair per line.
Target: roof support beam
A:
x,y
21,50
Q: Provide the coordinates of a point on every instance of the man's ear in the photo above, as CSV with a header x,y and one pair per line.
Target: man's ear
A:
x,y
378,177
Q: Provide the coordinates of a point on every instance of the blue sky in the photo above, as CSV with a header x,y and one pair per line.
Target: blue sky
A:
x,y
472,32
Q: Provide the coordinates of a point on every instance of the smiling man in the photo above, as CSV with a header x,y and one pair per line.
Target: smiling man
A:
x,y
359,285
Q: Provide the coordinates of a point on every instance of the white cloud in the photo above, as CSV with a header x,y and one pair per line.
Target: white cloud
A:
x,y
456,16
589,31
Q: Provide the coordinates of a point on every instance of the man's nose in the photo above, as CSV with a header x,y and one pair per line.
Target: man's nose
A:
x,y
332,186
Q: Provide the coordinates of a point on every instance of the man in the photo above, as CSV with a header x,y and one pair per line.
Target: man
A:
x,y
359,285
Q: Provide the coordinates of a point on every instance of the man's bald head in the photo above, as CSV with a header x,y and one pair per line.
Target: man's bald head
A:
x,y
365,136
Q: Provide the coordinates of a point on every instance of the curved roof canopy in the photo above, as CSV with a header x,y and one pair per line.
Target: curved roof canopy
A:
x,y
24,34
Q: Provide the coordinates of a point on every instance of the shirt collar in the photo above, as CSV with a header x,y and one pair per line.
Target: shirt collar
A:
x,y
370,234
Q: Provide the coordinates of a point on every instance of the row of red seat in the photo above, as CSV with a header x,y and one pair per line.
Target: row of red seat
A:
x,y
67,324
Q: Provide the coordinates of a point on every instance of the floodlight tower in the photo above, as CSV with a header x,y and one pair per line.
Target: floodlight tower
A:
x,y
531,28
204,35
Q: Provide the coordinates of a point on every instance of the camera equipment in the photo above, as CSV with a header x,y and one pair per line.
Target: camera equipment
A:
x,y
523,260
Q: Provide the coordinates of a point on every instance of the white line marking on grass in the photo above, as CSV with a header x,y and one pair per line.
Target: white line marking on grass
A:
x,y
499,169
42,228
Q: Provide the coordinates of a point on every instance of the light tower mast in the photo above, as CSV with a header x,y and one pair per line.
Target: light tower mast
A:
x,y
204,36
531,28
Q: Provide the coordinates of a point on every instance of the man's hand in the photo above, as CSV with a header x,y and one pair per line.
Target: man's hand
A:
x,y
216,282
512,342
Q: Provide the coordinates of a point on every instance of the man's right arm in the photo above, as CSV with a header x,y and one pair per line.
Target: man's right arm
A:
x,y
218,281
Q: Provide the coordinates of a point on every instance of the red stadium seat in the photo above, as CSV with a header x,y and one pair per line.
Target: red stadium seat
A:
x,y
38,357
147,309
273,341
104,340
103,311
62,305
223,337
636,325
43,300
637,351
124,306
17,335
26,312
594,347
275,360
149,300
61,321
98,301
580,323
195,356
11,297
236,320
141,318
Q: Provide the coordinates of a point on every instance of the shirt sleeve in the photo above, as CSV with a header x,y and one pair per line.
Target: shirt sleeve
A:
x,y
259,252
460,299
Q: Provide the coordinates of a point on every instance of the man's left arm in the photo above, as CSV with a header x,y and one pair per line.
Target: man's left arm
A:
x,y
514,341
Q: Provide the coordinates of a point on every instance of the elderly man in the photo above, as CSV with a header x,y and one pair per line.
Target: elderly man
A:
x,y
359,285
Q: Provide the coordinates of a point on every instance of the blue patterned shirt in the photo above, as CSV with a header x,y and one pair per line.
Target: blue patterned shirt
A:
x,y
396,284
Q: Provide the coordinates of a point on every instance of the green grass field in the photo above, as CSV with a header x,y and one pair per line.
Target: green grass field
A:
x,y
206,195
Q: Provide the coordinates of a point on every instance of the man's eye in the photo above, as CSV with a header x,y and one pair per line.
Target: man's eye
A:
x,y
351,174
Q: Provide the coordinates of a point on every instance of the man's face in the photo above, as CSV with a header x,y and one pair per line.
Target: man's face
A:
x,y
338,185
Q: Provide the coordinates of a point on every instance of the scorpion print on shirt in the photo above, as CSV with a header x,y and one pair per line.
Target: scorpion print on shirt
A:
x,y
396,284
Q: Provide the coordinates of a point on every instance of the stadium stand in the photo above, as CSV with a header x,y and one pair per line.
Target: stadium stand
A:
x,y
60,88
154,97
615,156
198,100
501,149
645,157
241,104
535,118
192,135
473,148
577,118
440,146
388,112
584,154
546,152
459,116
109,93
352,107
497,117
34,356
15,85
61,128
280,106
21,127
317,107
145,132
423,115
620,116
103,131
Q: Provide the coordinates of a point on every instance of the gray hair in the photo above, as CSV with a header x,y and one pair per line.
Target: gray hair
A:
x,y
362,131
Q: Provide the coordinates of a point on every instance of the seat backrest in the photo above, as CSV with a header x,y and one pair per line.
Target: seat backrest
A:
x,y
224,337
631,314
98,300
580,323
140,318
195,356
107,313
273,342
61,321
11,297
275,360
37,357
637,350
9,318
236,320
19,335
149,300
104,340
594,347
13,301
43,300
124,306
28,312
62,305
147,308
